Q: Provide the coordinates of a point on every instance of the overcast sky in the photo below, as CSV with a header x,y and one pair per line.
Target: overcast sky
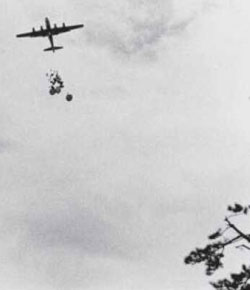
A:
x,y
112,190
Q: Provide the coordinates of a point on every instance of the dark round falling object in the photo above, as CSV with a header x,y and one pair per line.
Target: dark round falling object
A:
x,y
69,97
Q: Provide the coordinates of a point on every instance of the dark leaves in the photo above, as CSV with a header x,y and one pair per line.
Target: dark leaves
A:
x,y
215,235
211,255
236,282
238,208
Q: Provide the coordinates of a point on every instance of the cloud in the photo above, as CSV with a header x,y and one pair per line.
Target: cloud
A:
x,y
82,230
4,146
98,189
131,27
140,25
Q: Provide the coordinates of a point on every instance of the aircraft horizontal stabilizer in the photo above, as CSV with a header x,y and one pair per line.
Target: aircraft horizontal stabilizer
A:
x,y
53,48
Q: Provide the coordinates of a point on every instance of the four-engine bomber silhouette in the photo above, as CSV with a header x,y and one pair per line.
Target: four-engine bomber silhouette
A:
x,y
49,31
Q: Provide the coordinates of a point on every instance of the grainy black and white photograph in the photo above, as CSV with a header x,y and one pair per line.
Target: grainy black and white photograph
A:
x,y
125,145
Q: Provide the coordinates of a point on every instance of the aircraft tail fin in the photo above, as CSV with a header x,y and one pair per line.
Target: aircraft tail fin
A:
x,y
53,48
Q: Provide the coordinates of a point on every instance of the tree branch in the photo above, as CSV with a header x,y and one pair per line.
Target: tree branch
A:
x,y
243,246
232,241
244,236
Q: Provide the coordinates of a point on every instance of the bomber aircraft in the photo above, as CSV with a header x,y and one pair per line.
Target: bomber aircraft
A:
x,y
49,31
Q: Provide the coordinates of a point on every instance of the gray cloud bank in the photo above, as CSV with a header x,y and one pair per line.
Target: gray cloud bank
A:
x,y
135,26
94,201
4,146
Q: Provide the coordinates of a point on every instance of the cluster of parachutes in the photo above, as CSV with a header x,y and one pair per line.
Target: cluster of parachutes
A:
x,y
56,84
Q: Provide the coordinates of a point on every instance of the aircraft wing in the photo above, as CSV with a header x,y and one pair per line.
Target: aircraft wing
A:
x,y
34,33
64,28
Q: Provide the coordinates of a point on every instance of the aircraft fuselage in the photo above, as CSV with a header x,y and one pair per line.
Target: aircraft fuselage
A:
x,y
50,34
47,24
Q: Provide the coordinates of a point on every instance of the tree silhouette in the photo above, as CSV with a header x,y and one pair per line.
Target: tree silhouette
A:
x,y
213,253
